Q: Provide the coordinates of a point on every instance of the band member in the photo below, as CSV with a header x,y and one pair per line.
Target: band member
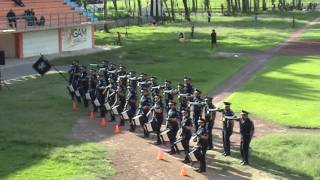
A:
x,y
84,85
101,87
131,105
122,74
173,124
93,83
187,126
227,128
112,88
132,80
209,116
183,99
155,88
74,76
145,105
187,89
142,81
202,135
121,97
197,107
158,117
246,131
167,90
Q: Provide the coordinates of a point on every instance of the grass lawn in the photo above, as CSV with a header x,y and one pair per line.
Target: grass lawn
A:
x,y
292,155
287,91
35,135
312,34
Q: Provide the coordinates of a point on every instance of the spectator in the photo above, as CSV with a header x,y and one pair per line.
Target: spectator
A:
x,y
18,2
12,19
214,38
42,21
119,38
181,37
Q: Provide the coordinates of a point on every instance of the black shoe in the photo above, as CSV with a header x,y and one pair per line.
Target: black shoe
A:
x,y
210,148
200,170
157,143
186,161
227,154
241,161
172,152
244,163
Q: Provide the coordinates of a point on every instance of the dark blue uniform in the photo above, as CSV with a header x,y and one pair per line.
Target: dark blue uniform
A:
x,y
145,104
246,130
209,118
227,131
84,87
173,126
158,118
168,97
122,100
203,145
197,111
132,106
186,136
101,96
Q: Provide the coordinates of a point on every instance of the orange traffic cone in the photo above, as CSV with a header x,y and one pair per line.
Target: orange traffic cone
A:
x,y
183,171
117,129
160,155
103,122
92,115
74,106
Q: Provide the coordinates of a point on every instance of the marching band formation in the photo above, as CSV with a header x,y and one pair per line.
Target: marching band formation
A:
x,y
176,115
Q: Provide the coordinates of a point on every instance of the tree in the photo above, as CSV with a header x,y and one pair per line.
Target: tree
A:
x,y
172,9
105,9
186,10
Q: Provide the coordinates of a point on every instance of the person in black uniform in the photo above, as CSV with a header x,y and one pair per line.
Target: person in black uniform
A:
x,y
246,130
142,81
145,105
101,87
121,95
227,128
93,83
84,85
187,126
214,38
196,108
210,115
131,105
158,117
173,119
183,101
74,74
167,91
132,80
187,89
155,89
112,96
202,135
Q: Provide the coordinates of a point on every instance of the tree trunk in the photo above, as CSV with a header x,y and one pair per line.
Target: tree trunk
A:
x,y
115,5
151,8
157,10
264,5
186,10
105,9
172,9
139,8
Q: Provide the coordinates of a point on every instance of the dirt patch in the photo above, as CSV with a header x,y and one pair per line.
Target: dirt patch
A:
x,y
301,48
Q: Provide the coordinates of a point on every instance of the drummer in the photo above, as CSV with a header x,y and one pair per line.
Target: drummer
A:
x,y
173,120
202,134
186,125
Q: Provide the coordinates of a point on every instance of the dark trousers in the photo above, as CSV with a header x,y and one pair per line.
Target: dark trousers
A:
x,y
172,137
157,129
203,157
121,107
226,141
131,113
209,128
196,117
185,144
244,148
144,113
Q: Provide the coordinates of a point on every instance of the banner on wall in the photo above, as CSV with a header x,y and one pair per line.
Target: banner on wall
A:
x,y
75,36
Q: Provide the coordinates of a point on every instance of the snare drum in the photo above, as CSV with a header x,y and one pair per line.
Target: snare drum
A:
x,y
77,93
178,145
107,106
148,127
96,102
124,115
70,87
195,154
88,97
137,120
115,110
164,136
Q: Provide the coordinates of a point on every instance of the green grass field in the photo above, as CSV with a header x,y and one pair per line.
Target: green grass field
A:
x,y
35,135
292,155
312,34
286,92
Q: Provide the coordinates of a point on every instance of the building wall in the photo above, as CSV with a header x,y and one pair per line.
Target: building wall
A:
x,y
7,44
40,42
76,38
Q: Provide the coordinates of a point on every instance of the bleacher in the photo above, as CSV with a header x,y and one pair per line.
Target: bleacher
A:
x,y
56,13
